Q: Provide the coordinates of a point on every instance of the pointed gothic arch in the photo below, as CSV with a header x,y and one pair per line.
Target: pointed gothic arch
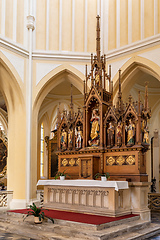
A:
x,y
129,68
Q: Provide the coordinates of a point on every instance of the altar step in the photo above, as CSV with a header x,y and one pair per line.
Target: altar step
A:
x,y
126,229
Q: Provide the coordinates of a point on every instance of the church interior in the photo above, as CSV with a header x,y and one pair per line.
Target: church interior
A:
x,y
79,93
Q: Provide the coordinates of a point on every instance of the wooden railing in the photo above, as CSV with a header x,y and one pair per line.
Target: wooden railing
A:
x,y
154,201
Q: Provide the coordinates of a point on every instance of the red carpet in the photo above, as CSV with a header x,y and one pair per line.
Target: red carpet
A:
x,y
77,217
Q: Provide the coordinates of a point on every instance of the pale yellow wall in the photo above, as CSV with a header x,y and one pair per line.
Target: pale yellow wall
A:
x,y
124,22
9,19
54,25
79,25
0,14
81,12
41,24
112,25
91,22
20,21
67,25
148,18
136,21
158,16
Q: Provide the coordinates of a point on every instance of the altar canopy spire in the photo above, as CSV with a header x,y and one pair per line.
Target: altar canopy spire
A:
x,y
98,39
119,106
146,97
71,105
58,115
98,74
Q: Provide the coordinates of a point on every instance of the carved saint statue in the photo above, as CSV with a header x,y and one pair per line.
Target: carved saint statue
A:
x,y
110,132
145,132
94,135
130,133
79,138
97,77
119,133
146,135
64,139
70,138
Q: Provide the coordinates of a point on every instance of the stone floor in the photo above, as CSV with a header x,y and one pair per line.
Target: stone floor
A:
x,y
155,238
155,216
12,236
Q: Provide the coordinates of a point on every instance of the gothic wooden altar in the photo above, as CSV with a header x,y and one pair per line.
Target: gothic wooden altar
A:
x,y
103,137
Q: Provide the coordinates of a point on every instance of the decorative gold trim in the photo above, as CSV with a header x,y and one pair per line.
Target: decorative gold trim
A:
x,y
120,160
72,162
130,160
78,161
111,160
64,162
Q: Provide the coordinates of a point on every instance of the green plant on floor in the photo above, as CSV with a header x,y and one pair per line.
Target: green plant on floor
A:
x,y
37,212
97,175
60,174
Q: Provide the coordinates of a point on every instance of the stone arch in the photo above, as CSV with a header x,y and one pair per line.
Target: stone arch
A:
x,y
15,84
50,81
131,66
154,122
129,70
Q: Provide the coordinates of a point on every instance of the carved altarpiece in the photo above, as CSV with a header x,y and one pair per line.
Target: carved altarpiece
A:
x,y
110,138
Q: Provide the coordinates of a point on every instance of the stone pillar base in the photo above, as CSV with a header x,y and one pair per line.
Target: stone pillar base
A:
x,y
139,199
17,204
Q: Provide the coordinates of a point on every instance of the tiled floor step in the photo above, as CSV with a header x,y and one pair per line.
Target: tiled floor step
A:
x,y
145,233
103,234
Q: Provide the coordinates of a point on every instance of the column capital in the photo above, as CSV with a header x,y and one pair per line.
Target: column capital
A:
x,y
30,22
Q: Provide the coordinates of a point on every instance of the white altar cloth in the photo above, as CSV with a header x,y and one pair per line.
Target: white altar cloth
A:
x,y
85,183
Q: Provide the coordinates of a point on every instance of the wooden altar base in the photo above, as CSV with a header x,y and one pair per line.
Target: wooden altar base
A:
x,y
121,163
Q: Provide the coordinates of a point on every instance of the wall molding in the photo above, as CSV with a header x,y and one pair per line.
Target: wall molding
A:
x,y
81,56
133,47
8,44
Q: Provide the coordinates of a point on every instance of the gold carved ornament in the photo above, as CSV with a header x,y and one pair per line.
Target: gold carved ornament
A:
x,y
64,162
110,160
72,162
78,161
130,160
120,160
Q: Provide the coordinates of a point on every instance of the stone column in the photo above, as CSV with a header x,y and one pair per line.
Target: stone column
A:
x,y
156,158
29,84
